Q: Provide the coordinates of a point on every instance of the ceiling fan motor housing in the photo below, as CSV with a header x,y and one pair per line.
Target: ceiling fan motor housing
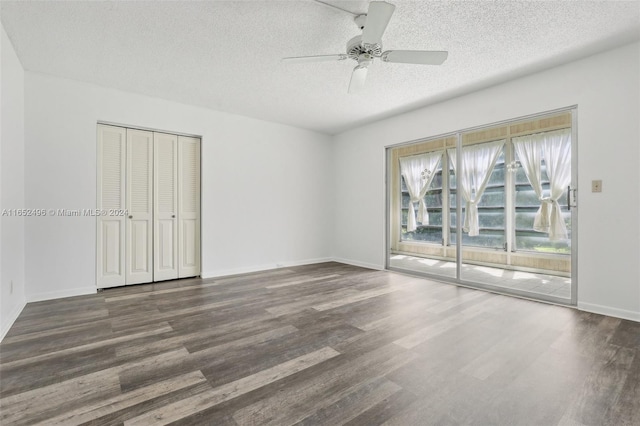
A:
x,y
355,49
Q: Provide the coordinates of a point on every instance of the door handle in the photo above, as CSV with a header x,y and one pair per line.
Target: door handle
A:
x,y
571,197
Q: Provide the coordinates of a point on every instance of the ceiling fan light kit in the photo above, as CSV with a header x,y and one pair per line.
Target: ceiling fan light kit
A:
x,y
366,47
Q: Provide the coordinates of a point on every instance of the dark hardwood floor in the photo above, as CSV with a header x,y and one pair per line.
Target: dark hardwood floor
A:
x,y
323,344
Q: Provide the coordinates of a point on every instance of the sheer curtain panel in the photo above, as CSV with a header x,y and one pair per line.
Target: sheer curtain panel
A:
x,y
529,153
555,149
478,162
418,172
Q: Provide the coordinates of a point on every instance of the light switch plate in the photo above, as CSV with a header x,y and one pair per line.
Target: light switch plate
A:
x,y
596,186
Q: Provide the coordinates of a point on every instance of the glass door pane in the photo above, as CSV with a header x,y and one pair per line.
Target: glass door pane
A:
x,y
419,210
484,212
513,249
542,173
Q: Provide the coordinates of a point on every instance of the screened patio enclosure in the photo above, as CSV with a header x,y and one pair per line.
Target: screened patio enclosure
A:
x,y
510,184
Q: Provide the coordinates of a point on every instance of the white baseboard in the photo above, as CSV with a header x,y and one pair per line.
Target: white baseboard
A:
x,y
82,291
358,263
607,310
13,316
267,267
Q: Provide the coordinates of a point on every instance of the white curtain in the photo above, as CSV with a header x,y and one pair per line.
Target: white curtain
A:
x,y
478,162
555,148
418,172
529,153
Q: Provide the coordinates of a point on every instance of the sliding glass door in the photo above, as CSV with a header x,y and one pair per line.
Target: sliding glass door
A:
x,y
420,208
509,184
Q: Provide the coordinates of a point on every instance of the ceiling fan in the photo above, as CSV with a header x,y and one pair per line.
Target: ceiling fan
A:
x,y
366,47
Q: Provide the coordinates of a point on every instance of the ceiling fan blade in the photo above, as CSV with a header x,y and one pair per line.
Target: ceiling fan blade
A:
x,y
358,77
378,18
423,57
317,58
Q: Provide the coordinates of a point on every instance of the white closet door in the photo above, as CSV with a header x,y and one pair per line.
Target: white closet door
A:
x,y
110,266
139,238
165,202
188,206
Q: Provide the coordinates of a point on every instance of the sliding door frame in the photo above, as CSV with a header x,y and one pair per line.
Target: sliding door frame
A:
x,y
574,207
572,301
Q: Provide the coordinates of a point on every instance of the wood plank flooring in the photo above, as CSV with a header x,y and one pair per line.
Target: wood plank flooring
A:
x,y
324,344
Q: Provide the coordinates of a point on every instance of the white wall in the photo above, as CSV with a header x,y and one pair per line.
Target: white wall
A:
x,y
266,199
606,88
12,254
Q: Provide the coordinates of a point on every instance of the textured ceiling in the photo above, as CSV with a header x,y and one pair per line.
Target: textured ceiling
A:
x,y
225,55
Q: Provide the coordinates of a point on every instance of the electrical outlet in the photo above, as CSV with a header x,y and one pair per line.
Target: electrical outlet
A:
x,y
596,186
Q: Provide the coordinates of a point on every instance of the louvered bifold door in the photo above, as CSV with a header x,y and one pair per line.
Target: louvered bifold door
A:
x,y
110,265
139,232
165,199
188,207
